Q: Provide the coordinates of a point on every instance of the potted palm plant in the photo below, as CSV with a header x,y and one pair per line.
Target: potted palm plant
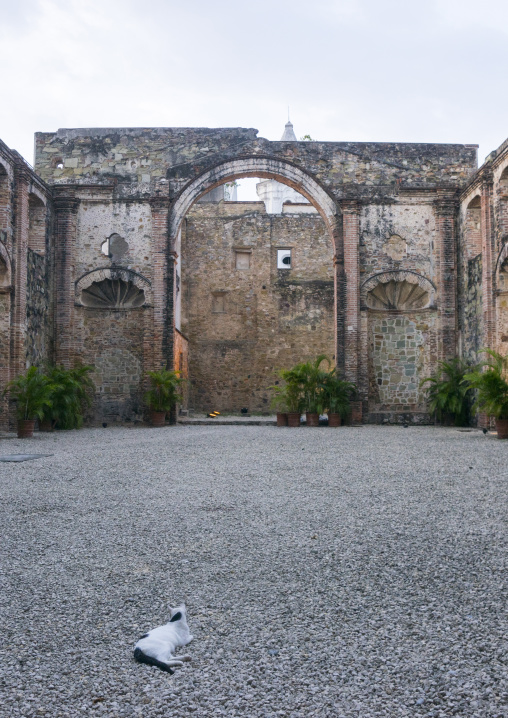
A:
x,y
279,403
490,383
288,397
449,396
337,397
163,394
32,393
312,379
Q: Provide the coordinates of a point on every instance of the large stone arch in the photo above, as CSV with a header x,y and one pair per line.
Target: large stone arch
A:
x,y
269,168
256,166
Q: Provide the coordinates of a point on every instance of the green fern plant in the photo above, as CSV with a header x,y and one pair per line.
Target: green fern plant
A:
x,y
448,395
338,394
71,393
311,378
32,392
163,393
490,383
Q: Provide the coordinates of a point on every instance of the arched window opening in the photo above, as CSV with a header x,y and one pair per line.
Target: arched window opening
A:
x,y
4,273
5,210
257,284
503,181
503,206
36,224
473,228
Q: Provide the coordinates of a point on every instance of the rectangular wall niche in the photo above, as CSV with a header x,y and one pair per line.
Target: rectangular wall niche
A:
x,y
283,259
242,259
218,302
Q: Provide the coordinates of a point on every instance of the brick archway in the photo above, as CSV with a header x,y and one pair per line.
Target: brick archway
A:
x,y
269,168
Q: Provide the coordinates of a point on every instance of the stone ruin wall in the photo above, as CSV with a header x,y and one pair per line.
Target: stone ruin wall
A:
x,y
401,344
245,323
116,175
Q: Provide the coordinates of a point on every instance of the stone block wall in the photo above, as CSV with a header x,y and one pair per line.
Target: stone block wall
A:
x,y
39,316
112,341
245,322
400,356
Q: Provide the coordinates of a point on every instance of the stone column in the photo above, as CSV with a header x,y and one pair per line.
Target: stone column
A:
x,y
339,296
488,264
488,268
19,270
162,286
351,237
65,206
446,208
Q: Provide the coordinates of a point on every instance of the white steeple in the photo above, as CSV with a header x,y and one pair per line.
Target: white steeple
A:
x,y
289,133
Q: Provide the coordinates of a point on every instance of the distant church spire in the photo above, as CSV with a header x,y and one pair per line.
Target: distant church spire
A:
x,y
289,133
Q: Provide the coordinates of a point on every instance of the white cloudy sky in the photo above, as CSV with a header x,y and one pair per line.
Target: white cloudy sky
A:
x,y
379,70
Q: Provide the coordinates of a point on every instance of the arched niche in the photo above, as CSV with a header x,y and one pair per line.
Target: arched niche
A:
x,y
502,208
5,268
113,288
503,181
5,208
37,213
473,228
399,291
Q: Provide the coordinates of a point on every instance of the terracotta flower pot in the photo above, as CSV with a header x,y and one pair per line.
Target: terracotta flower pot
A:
x,y
293,418
502,428
46,425
282,419
312,418
334,419
26,428
158,418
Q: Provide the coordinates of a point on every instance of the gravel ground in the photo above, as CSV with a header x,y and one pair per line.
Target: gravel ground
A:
x,y
327,572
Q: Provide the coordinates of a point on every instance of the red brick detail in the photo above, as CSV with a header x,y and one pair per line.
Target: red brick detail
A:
x,y
65,226
488,265
18,328
351,236
162,288
446,240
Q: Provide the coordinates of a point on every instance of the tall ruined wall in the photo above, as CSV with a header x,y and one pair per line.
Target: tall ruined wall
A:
x,y
244,322
39,310
26,278
398,247
112,330
389,213
483,259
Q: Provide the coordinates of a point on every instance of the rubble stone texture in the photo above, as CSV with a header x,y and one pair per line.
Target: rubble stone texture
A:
x,y
345,573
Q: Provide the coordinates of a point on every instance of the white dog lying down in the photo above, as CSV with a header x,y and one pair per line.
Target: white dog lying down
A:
x,y
157,646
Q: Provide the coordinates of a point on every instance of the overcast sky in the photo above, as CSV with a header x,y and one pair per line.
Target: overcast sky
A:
x,y
366,70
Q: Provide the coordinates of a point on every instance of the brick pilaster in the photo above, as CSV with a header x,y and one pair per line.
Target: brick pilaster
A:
x,y
351,235
162,286
65,228
21,228
488,262
446,208
340,303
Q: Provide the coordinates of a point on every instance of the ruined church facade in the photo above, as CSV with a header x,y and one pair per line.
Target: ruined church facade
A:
x,y
117,250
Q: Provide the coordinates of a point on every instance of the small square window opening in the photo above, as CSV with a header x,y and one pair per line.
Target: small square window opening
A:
x,y
242,260
283,259
218,304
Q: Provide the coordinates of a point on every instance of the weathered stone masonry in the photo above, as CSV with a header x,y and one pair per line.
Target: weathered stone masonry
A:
x,y
106,258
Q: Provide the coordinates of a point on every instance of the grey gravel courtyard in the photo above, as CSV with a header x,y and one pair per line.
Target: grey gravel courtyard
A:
x,y
327,572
